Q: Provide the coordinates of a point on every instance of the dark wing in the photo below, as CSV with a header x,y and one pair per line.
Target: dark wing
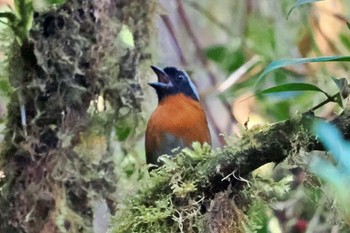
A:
x,y
158,145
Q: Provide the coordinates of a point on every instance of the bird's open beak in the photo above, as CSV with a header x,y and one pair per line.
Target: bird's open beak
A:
x,y
163,79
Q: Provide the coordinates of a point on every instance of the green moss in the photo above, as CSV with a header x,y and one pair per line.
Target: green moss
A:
x,y
166,202
189,184
72,57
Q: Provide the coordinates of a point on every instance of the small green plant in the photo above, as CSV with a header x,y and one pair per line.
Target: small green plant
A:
x,y
19,19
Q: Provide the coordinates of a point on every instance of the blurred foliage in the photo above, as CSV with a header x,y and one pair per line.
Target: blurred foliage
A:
x,y
335,171
6,36
284,83
229,59
280,30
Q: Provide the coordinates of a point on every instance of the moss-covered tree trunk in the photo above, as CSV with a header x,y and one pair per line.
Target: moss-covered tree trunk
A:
x,y
78,53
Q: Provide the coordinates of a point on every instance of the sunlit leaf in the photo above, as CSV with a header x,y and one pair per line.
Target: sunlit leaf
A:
x,y
126,37
291,87
300,3
297,61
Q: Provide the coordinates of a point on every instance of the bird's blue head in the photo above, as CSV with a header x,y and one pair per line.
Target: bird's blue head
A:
x,y
172,81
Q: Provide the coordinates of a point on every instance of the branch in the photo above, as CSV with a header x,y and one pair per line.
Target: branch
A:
x,y
204,61
264,145
174,187
168,24
211,17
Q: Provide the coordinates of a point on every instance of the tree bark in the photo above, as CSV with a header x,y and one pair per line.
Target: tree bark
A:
x,y
81,50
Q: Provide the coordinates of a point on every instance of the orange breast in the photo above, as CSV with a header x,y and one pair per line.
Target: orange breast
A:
x,y
178,116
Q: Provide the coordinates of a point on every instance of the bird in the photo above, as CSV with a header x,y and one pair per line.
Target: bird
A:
x,y
179,118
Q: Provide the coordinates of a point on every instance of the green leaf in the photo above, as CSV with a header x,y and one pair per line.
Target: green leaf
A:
x,y
24,14
261,40
5,87
343,86
53,2
280,110
291,87
344,38
216,53
296,61
339,100
126,37
122,132
300,3
228,58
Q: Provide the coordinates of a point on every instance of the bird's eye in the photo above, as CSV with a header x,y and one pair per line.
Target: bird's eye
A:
x,y
181,77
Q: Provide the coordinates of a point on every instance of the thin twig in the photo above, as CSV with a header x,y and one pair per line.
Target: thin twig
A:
x,y
329,99
190,32
200,54
209,16
235,76
171,30
215,126
183,61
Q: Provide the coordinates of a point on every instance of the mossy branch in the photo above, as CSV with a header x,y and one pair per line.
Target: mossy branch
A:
x,y
185,181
